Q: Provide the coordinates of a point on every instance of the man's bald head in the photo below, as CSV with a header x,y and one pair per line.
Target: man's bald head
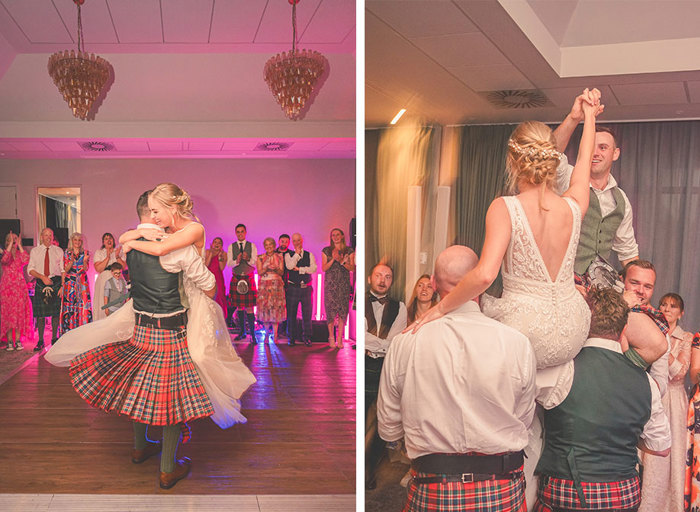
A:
x,y
451,266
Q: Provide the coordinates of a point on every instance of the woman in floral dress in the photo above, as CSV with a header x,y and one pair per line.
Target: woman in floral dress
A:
x,y
338,262
272,307
15,307
76,306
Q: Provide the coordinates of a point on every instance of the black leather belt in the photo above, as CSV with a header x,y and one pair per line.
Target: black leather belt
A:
x,y
466,478
300,285
171,323
458,464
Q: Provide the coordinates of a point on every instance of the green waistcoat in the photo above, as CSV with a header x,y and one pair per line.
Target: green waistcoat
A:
x,y
153,289
598,232
592,435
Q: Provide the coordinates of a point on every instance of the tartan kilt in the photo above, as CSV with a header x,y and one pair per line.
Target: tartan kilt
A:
x,y
487,496
149,378
249,300
557,493
51,307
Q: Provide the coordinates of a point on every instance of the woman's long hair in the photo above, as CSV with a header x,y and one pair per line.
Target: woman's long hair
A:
x,y
413,303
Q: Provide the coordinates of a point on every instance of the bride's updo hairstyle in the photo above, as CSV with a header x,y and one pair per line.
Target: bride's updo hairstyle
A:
x,y
170,195
532,155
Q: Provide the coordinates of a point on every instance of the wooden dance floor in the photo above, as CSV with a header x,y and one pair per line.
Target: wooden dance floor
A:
x,y
299,439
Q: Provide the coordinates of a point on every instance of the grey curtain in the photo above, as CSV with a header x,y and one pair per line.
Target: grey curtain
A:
x,y
659,170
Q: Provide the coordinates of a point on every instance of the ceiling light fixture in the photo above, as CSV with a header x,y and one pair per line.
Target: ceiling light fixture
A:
x,y
80,77
291,76
398,116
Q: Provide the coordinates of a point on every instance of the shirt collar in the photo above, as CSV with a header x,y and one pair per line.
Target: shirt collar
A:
x,y
677,332
612,183
612,345
148,225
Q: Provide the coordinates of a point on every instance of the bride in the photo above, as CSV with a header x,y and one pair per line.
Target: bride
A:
x,y
223,374
533,236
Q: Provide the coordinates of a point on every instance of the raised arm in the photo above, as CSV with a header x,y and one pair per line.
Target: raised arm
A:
x,y
192,234
581,175
477,280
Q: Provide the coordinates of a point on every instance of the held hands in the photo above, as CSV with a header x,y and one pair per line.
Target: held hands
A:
x,y
578,111
591,103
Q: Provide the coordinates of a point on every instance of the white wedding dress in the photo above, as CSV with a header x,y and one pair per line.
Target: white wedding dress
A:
x,y
223,374
552,314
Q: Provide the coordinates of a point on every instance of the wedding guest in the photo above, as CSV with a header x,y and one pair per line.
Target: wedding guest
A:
x,y
243,294
115,292
338,260
422,299
76,306
104,257
272,306
664,477
215,259
15,308
46,266
692,470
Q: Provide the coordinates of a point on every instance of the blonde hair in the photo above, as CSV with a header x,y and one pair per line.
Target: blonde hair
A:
x,y
76,235
170,195
270,239
532,156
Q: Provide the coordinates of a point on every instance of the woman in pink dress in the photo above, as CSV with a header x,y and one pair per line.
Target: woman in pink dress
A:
x,y
15,307
215,260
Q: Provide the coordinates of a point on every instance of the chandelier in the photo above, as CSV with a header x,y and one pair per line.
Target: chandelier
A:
x,y
292,75
80,77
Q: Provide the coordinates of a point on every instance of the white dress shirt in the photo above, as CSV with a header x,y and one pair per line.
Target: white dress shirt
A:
x,y
291,260
624,244
554,390
37,256
462,383
231,262
377,345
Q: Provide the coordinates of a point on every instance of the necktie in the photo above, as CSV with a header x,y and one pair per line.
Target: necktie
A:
x,y
241,246
381,300
46,263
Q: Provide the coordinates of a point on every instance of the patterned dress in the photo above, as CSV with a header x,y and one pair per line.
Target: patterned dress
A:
x,y
337,289
272,306
15,307
692,462
76,306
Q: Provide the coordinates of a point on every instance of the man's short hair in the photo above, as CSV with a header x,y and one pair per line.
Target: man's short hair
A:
x,y
283,235
609,312
116,266
241,226
638,263
605,129
142,209
383,264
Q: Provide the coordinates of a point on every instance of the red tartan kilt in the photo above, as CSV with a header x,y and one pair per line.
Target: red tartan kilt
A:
x,y
150,378
487,496
557,493
249,300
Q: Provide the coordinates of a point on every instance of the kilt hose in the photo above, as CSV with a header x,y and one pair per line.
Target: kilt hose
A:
x,y
42,304
486,496
246,300
149,378
556,494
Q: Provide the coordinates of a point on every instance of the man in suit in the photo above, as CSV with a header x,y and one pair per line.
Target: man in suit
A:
x,y
301,266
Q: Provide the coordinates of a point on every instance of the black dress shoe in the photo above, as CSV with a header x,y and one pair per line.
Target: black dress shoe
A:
x,y
307,343
39,347
291,343
239,337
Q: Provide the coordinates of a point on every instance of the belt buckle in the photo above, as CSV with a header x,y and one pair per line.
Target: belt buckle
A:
x,y
467,478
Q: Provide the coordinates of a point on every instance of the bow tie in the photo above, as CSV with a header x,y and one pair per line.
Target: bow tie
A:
x,y
381,300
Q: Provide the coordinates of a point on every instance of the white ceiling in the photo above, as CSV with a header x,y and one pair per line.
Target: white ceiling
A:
x,y
187,74
439,59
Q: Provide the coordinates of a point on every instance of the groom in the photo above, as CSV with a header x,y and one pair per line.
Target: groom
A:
x,y
161,312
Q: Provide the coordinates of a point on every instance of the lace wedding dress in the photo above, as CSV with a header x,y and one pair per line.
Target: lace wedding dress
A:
x,y
223,374
552,314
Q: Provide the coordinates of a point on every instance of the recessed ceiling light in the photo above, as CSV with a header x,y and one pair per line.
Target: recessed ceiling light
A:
x,y
398,116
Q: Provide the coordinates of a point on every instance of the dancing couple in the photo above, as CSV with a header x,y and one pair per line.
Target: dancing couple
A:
x,y
165,357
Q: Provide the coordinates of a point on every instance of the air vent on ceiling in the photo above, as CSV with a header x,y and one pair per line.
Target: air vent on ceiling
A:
x,y
272,146
517,99
97,146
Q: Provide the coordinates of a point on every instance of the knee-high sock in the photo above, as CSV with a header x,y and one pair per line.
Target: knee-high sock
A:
x,y
251,324
54,327
40,325
241,320
140,435
171,438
